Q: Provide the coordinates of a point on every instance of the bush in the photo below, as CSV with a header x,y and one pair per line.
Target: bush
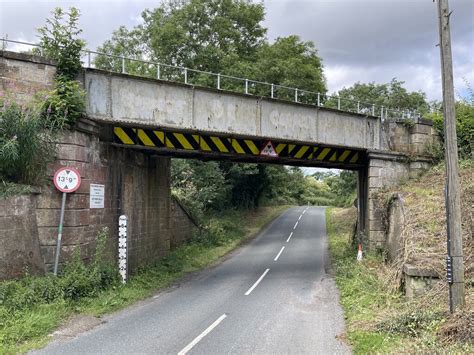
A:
x,y
464,127
63,105
412,323
25,145
79,280
58,41
75,282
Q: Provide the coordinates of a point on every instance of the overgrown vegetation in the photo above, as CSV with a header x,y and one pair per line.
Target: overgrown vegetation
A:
x,y
26,146
32,307
378,316
213,186
27,132
59,41
464,124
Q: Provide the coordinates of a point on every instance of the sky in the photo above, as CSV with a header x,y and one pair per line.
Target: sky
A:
x,y
358,40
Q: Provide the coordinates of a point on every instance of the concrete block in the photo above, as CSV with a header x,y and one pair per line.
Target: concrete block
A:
x,y
418,280
421,128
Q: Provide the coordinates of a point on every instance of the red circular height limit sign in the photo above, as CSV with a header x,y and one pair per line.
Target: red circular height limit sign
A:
x,y
67,179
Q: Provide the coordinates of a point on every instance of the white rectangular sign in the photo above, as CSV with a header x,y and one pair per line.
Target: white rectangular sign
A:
x,y
97,196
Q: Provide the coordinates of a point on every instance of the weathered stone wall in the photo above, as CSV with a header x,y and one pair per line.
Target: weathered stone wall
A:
x,y
182,224
386,169
413,140
23,75
19,245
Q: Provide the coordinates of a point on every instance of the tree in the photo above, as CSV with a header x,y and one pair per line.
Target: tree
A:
x,y
200,186
200,34
464,124
59,41
293,63
390,95
218,36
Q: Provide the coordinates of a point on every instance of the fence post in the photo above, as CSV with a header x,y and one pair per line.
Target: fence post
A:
x,y
185,75
246,86
272,91
319,99
373,109
358,106
381,112
158,71
89,58
296,95
123,65
338,102
218,81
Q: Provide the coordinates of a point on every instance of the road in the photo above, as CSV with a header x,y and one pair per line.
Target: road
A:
x,y
271,296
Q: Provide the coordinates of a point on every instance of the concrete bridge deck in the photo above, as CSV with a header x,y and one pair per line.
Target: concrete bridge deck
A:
x,y
149,103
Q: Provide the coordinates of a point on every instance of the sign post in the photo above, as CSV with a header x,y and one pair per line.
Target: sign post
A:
x,y
66,180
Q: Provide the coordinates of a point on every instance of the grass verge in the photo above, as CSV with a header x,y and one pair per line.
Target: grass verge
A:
x,y
378,316
26,319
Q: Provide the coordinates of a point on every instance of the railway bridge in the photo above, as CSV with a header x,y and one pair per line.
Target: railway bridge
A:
x,y
135,124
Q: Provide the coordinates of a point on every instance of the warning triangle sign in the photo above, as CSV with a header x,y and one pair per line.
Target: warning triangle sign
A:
x,y
269,150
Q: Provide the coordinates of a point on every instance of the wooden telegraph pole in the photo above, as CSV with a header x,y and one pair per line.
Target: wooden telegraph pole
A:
x,y
455,268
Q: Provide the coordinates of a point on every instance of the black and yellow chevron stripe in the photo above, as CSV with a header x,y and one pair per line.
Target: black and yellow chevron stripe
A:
x,y
205,143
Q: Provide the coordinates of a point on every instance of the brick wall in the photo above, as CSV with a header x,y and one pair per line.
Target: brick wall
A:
x,y
19,245
182,225
23,75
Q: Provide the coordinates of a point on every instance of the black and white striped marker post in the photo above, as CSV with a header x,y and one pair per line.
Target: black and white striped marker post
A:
x,y
122,248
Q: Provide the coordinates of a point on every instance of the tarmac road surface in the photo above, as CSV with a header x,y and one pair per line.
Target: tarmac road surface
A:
x,y
272,296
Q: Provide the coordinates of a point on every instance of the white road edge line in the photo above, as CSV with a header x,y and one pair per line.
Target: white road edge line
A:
x,y
202,335
256,283
296,224
281,251
288,240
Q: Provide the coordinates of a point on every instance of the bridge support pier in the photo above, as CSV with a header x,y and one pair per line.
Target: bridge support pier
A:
x,y
384,170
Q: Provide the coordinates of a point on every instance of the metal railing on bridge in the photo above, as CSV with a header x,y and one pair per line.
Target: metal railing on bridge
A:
x,y
175,73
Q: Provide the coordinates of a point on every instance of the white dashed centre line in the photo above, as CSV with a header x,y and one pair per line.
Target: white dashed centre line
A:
x,y
289,237
278,255
257,282
202,335
296,224
300,217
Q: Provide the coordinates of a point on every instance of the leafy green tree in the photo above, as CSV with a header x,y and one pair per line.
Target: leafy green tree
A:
x,y
292,63
59,41
218,36
390,95
200,186
343,186
464,124
200,34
